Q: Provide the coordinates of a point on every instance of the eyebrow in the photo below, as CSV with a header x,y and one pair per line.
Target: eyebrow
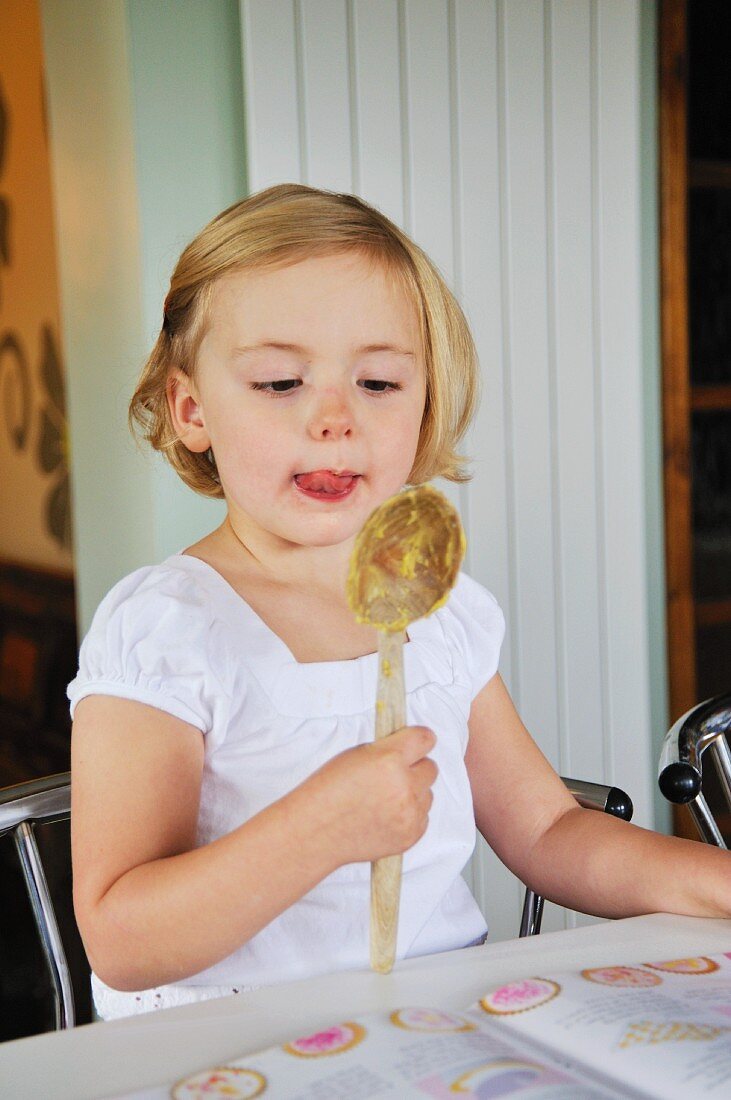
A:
x,y
276,345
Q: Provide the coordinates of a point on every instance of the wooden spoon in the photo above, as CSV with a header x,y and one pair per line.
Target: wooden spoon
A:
x,y
404,563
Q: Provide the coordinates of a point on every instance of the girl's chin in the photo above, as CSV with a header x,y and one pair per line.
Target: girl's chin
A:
x,y
328,529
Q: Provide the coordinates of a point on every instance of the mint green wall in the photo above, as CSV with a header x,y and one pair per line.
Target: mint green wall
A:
x,y
188,100
95,205
146,116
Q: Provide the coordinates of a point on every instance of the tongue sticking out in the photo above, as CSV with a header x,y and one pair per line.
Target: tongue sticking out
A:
x,y
323,481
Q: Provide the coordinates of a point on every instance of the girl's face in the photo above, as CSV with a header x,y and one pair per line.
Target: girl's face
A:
x,y
310,390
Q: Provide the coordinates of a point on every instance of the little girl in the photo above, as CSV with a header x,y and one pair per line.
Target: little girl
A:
x,y
228,796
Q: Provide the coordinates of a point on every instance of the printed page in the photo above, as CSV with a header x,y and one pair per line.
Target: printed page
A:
x,y
663,1028
409,1052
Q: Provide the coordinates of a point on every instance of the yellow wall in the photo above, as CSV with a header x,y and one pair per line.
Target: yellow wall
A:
x,y
34,505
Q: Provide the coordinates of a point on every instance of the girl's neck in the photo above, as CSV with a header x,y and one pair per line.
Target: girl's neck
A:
x,y
317,624
282,563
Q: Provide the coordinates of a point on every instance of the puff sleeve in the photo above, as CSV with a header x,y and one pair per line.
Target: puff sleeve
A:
x,y
477,628
148,642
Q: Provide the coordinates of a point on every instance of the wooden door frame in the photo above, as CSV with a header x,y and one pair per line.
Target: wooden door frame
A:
x,y
676,390
676,396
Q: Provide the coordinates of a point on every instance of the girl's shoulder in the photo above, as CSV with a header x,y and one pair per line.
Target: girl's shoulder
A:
x,y
474,606
170,584
178,603
152,639
474,623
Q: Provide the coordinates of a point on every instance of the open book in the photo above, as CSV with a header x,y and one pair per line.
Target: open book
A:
x,y
647,1030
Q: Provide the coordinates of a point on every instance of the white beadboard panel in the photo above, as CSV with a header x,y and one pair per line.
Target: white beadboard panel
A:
x,y
534,626
425,57
378,162
478,281
503,135
425,60
432,148
577,488
322,36
619,296
275,144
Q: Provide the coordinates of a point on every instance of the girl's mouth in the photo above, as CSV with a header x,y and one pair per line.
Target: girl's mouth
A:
x,y
326,485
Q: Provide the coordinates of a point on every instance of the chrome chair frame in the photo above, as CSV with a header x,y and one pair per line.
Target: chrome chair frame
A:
x,y
21,808
680,772
592,796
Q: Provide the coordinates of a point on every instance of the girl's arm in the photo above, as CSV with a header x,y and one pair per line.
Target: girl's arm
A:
x,y
153,909
587,861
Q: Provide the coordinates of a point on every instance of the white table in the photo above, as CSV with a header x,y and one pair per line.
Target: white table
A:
x,y
105,1059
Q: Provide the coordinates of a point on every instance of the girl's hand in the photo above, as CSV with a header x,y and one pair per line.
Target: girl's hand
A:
x,y
374,800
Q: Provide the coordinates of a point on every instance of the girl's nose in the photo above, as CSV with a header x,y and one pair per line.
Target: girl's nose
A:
x,y
331,417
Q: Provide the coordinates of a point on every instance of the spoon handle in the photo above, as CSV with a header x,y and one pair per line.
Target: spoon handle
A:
x,y
386,872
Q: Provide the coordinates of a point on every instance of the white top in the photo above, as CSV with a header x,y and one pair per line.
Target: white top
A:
x,y
177,636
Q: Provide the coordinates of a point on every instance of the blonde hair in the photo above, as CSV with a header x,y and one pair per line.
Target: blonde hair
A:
x,y
285,224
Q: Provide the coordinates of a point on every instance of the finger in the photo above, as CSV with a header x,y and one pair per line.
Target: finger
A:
x,y
413,742
425,772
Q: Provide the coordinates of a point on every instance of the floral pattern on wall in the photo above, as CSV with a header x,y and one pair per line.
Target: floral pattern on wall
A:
x,y
33,424
16,392
52,449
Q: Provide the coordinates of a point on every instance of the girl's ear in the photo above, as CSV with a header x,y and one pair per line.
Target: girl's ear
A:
x,y
186,412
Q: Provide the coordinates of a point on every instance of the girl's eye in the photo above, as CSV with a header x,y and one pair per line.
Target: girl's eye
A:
x,y
282,385
377,385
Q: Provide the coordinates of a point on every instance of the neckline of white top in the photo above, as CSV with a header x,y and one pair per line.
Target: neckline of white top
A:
x,y
347,684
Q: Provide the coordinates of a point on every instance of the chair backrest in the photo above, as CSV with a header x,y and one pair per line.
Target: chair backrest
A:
x,y
22,806
680,772
592,796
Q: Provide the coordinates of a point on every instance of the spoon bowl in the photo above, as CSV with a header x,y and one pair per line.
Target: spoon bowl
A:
x,y
406,559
